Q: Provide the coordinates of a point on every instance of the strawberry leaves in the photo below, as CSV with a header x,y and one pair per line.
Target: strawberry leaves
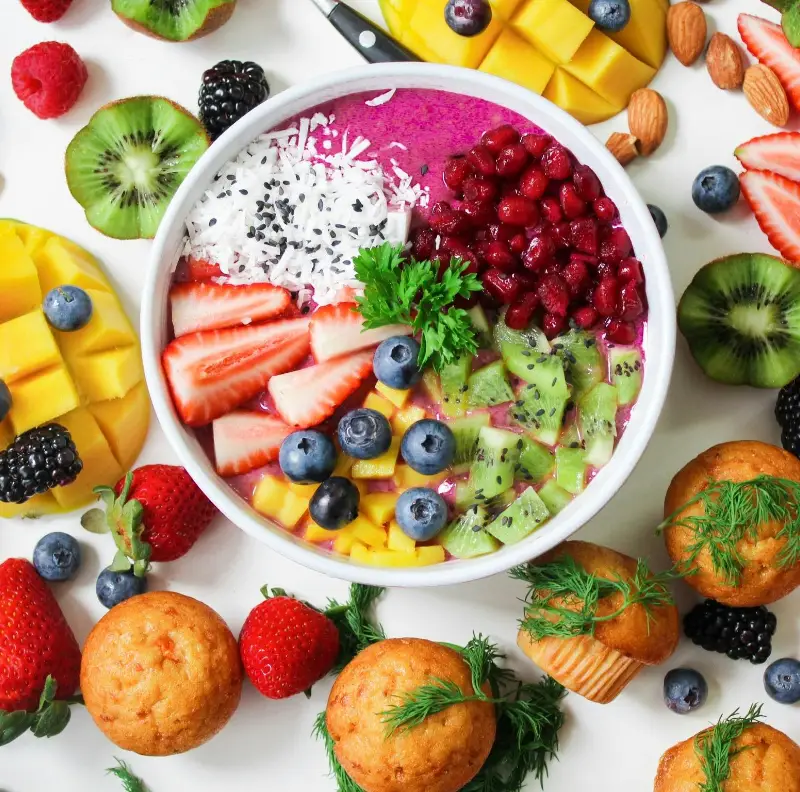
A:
x,y
50,719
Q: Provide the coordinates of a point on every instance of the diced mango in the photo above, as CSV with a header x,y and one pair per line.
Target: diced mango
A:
x,y
107,329
422,556
360,553
392,558
379,506
398,540
32,237
303,490
125,422
317,534
397,397
505,8
432,554
406,478
26,346
406,418
554,27
514,59
381,467
61,261
37,506
273,499
19,284
608,69
42,398
364,531
344,465
344,542
574,97
107,375
378,403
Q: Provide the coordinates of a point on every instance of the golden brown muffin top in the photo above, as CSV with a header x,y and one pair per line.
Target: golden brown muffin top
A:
x,y
440,755
762,580
765,760
161,674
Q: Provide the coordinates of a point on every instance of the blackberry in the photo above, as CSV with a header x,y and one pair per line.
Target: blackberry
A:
x,y
230,90
37,461
740,633
787,414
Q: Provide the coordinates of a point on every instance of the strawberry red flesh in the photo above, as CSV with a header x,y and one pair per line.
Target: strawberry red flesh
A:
x,y
767,43
779,153
246,440
775,201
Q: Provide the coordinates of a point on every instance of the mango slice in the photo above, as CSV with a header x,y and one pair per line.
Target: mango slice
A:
x,y
554,27
511,50
577,99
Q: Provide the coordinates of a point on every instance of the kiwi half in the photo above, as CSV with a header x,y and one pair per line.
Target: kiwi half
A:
x,y
741,318
174,20
124,167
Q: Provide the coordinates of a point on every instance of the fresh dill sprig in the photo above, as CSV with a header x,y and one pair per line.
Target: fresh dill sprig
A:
x,y
343,781
734,510
714,748
563,599
356,630
130,782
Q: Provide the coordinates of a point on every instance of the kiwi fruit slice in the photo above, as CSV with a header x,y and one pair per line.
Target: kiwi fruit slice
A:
x,y
541,404
554,497
465,430
597,418
571,469
488,386
455,391
466,536
125,165
626,373
520,519
536,462
174,20
495,462
583,362
741,318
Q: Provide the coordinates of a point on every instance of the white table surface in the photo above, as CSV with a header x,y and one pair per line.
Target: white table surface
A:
x,y
267,745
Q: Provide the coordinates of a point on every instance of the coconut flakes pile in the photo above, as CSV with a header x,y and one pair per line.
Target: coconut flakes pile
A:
x,y
286,213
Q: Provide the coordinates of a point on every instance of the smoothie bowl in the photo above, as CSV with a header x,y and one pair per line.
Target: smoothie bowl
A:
x,y
408,325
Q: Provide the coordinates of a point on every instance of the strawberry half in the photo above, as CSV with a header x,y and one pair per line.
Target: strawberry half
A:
x,y
308,396
775,201
339,329
245,440
767,42
779,153
209,306
212,372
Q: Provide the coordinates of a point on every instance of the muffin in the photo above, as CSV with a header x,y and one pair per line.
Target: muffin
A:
x,y
763,759
440,755
763,579
161,674
599,666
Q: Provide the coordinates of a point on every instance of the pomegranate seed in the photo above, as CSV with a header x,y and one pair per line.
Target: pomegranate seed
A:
x,y
511,160
556,163
503,288
552,324
519,315
481,213
528,281
572,205
440,207
509,189
590,261
498,255
497,139
536,144
500,232
554,294
562,233
605,209
630,270
586,183
551,210
630,303
585,317
482,160
480,249
455,173
477,189
583,234
452,223
576,275
423,243
605,296
533,183
518,243
616,247
540,252
620,332
518,211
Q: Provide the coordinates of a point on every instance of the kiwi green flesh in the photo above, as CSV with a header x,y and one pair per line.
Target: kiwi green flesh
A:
x,y
496,459
583,361
176,20
571,469
465,430
554,497
535,461
626,373
466,536
541,403
453,378
741,318
597,421
481,325
520,519
124,167
489,386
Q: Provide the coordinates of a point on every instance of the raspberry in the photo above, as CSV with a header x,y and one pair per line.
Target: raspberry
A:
x,y
46,10
48,78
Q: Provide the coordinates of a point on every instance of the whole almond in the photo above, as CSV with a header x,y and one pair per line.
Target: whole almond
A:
x,y
686,31
647,119
766,94
623,147
724,62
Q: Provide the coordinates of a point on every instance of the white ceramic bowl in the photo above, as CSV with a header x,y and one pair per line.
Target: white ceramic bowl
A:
x,y
659,342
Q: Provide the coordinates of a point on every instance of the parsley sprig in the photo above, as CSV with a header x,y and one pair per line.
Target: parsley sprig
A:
x,y
734,510
563,598
130,782
401,290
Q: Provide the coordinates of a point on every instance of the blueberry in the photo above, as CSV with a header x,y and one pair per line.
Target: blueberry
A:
x,y
716,189
5,400
782,680
610,15
421,513
364,433
115,587
68,308
307,457
57,556
395,362
428,447
335,503
468,17
660,219
684,690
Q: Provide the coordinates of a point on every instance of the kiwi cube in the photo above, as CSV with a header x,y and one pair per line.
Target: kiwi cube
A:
x,y
455,390
584,363
505,339
466,536
495,462
597,419
465,430
541,403
536,462
489,386
481,326
626,373
554,497
520,519
571,469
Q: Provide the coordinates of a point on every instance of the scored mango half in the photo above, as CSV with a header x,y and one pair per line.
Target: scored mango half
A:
x,y
550,47
89,381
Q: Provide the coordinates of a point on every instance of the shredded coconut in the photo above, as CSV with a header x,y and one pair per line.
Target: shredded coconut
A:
x,y
382,99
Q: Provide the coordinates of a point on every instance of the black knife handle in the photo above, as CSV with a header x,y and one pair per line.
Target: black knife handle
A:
x,y
374,43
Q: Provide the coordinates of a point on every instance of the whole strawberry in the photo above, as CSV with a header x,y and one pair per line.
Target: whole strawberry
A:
x,y
287,646
48,78
46,10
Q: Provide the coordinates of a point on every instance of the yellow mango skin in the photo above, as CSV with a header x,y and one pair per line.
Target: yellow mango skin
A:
x,y
573,96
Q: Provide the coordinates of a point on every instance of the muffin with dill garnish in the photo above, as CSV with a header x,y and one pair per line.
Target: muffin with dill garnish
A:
x,y
732,520
594,618
738,754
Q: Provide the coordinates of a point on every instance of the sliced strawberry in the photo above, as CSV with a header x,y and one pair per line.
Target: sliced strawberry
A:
x,y
211,372
308,396
195,269
209,306
767,42
775,202
339,329
245,440
779,153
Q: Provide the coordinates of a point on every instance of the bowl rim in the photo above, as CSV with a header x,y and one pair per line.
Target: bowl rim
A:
x,y
469,83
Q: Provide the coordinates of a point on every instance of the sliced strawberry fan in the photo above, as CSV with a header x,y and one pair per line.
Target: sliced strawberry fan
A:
x,y
775,201
779,153
246,440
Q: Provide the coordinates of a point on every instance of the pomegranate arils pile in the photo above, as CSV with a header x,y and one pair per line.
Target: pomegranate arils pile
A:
x,y
536,227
